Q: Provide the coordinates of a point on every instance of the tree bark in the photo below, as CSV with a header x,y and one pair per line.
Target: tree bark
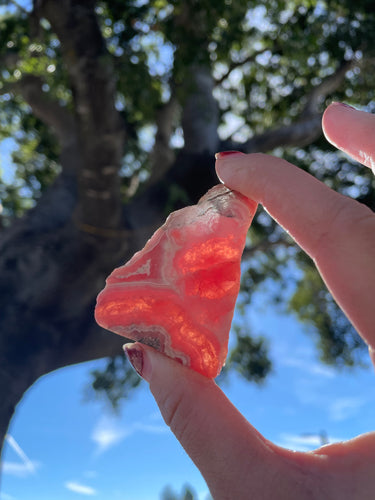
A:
x,y
200,118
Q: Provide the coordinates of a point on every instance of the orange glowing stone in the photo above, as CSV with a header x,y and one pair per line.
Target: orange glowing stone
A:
x,y
178,293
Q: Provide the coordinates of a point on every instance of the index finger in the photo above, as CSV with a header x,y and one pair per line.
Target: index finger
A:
x,y
352,131
337,232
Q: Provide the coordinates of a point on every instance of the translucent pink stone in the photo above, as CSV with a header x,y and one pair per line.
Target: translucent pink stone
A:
x,y
178,293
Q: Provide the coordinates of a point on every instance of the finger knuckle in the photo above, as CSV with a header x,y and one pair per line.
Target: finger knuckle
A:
x,y
344,221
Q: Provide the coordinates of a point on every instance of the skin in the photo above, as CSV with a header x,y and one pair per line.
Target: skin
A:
x,y
339,235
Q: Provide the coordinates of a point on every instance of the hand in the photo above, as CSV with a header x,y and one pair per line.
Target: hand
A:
x,y
339,234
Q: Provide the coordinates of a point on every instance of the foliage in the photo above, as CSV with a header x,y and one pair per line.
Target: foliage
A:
x,y
115,381
250,357
186,494
269,62
337,342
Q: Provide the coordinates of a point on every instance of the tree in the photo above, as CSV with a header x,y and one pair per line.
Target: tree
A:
x,y
115,109
169,494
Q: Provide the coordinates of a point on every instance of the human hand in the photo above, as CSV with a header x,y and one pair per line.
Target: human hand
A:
x,y
339,235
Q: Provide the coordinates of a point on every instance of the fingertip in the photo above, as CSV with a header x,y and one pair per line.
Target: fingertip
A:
x,y
327,117
157,368
225,154
149,363
137,357
233,170
336,112
168,376
224,164
350,130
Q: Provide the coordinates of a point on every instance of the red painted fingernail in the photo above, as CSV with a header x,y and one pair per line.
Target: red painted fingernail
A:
x,y
223,154
134,353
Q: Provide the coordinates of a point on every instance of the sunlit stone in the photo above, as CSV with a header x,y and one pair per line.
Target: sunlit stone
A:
x,y
178,293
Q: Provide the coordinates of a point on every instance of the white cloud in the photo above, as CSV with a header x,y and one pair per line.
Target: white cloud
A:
x,y
16,469
309,366
22,468
314,391
298,442
152,429
322,370
108,432
82,489
345,407
5,496
304,442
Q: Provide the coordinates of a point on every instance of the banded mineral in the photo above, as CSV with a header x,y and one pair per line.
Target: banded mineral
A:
x,y
178,293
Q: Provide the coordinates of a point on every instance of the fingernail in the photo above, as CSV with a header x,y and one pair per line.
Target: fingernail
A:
x,y
222,169
136,356
224,154
344,105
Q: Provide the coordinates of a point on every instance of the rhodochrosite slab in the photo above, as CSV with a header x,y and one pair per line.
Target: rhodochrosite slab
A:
x,y
178,293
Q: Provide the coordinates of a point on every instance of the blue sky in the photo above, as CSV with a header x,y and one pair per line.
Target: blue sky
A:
x,y
63,446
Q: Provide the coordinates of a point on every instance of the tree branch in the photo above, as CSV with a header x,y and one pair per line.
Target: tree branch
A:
x,y
237,64
163,156
200,113
307,128
48,110
316,97
299,133
101,130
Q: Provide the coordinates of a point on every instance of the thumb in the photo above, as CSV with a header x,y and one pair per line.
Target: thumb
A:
x,y
223,445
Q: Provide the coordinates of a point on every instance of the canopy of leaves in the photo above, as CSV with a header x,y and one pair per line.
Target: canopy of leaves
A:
x,y
271,65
